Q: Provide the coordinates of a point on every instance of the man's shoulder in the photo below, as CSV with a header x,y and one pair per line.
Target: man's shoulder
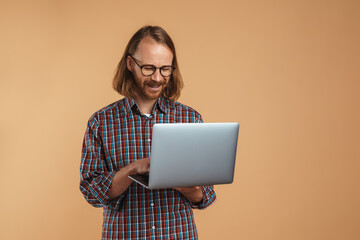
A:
x,y
109,110
180,108
174,105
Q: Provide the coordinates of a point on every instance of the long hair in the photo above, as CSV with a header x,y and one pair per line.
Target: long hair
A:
x,y
123,81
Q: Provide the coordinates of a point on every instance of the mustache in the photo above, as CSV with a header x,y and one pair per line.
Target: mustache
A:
x,y
155,83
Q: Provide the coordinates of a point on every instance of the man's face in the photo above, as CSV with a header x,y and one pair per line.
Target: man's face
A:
x,y
149,88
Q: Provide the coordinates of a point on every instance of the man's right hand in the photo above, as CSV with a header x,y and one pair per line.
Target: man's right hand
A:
x,y
140,166
121,181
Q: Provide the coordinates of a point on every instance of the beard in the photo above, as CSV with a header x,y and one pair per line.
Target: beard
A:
x,y
150,89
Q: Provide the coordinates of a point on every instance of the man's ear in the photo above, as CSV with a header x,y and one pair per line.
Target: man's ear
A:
x,y
129,63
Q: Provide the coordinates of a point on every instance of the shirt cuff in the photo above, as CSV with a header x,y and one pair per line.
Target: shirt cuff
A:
x,y
209,197
116,202
100,189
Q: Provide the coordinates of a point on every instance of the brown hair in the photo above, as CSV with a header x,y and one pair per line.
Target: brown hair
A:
x,y
123,81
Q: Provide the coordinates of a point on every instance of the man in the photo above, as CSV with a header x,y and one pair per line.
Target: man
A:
x,y
117,144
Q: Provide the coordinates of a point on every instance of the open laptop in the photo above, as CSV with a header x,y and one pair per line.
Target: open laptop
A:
x,y
191,154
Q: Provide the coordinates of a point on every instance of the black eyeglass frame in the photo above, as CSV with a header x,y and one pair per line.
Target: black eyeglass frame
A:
x,y
154,67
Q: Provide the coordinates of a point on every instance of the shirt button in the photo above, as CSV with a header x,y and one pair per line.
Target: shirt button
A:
x,y
153,227
149,140
152,204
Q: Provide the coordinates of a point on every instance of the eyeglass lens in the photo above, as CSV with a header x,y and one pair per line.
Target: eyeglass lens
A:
x,y
149,70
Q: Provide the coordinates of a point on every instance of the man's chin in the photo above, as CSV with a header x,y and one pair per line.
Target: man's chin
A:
x,y
153,94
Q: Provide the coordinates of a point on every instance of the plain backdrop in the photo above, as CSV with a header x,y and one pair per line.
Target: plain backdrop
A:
x,y
286,70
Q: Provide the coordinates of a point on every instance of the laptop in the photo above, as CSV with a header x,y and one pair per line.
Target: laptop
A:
x,y
191,154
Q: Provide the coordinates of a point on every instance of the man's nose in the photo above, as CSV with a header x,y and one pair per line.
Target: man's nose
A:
x,y
157,75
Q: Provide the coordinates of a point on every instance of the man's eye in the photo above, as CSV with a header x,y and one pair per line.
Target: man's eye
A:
x,y
148,68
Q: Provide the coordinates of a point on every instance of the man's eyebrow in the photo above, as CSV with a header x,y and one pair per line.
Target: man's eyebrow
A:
x,y
149,64
166,65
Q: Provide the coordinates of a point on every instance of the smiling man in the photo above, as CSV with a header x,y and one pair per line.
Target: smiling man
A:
x,y
117,144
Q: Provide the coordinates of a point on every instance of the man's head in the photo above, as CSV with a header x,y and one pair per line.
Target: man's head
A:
x,y
149,46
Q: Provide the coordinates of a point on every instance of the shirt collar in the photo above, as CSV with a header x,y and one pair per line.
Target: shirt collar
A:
x,y
161,103
130,105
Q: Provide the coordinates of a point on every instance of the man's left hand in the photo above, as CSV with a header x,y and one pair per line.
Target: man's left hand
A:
x,y
193,194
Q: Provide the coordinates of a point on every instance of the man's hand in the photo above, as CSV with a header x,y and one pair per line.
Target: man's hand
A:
x,y
121,181
193,194
140,166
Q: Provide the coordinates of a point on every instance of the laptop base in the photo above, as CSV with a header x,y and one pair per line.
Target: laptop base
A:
x,y
142,179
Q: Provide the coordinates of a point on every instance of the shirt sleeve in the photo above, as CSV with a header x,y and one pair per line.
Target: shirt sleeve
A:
x,y
209,197
95,179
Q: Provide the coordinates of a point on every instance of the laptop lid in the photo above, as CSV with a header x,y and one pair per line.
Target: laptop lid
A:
x,y
192,154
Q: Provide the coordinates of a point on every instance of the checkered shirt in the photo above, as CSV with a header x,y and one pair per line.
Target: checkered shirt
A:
x,y
116,136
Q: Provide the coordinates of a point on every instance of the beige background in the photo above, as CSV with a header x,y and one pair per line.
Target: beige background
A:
x,y
287,71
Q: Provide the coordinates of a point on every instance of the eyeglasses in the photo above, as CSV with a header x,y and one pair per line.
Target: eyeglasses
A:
x,y
148,70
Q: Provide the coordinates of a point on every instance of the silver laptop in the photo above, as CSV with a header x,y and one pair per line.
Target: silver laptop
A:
x,y
191,154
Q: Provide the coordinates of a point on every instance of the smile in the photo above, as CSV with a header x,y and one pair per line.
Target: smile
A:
x,y
154,87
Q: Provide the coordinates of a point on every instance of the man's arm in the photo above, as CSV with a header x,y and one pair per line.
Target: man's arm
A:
x,y
121,180
193,194
199,197
98,185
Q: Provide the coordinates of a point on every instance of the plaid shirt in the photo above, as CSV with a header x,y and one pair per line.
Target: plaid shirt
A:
x,y
116,136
